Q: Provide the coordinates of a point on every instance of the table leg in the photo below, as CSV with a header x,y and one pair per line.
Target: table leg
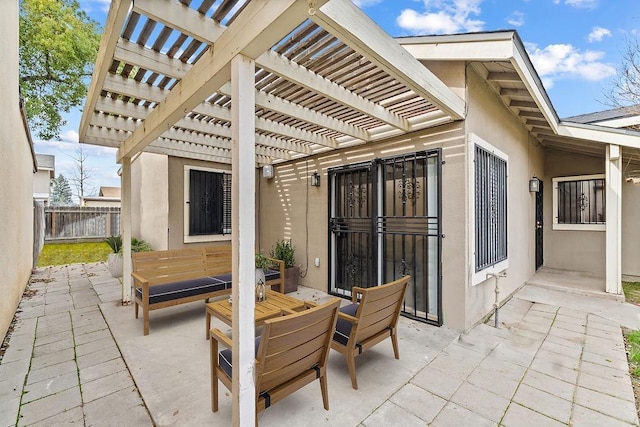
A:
x,y
208,324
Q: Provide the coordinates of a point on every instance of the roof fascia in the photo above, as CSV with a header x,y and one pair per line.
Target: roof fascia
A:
x,y
604,135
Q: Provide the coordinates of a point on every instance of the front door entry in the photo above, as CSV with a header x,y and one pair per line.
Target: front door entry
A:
x,y
385,222
539,228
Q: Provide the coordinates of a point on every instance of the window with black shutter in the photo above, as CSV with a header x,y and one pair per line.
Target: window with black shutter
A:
x,y
209,202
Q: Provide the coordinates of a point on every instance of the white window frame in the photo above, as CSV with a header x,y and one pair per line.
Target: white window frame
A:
x,y
481,276
185,219
575,227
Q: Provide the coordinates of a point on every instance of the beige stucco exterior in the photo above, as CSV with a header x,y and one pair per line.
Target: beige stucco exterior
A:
x,y
150,208
288,207
16,177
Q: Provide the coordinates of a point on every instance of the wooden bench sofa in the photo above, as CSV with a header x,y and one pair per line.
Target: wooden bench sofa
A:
x,y
167,278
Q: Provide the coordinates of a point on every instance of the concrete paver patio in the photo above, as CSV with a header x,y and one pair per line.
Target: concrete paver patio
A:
x,y
77,356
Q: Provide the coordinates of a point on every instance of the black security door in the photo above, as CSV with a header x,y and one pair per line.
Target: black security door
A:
x,y
353,261
385,222
539,228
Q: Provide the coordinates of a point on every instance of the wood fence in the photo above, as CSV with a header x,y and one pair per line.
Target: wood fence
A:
x,y
81,222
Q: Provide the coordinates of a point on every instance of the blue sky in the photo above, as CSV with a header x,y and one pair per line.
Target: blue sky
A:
x,y
575,46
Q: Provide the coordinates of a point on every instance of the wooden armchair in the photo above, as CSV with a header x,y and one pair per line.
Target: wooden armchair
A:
x,y
291,353
370,319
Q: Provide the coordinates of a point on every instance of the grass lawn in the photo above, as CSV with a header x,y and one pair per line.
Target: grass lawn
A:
x,y
631,292
73,253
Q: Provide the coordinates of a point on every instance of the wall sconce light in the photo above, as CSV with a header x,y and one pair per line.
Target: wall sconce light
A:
x,y
315,179
534,184
267,171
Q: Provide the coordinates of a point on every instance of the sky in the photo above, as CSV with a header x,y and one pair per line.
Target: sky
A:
x,y
575,46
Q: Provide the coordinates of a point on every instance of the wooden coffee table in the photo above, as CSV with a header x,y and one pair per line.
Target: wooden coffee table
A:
x,y
271,307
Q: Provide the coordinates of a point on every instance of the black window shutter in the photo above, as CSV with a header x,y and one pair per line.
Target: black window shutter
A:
x,y
206,202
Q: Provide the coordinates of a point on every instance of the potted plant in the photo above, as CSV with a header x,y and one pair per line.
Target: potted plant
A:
x,y
285,251
114,261
262,263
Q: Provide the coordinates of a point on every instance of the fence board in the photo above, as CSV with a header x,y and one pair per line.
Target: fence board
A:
x,y
81,222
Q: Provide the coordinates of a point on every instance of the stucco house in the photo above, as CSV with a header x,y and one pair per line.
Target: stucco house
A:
x,y
42,178
437,156
16,177
108,197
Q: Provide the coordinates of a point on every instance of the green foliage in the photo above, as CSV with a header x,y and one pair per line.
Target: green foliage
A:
x,y
633,348
140,245
262,261
115,243
285,251
58,47
60,192
137,245
72,253
631,292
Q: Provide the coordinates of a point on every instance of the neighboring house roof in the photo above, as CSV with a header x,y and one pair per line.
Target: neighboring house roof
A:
x,y
46,162
623,117
110,192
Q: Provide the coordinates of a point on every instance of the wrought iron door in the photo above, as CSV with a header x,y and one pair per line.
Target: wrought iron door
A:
x,y
385,223
539,229
351,226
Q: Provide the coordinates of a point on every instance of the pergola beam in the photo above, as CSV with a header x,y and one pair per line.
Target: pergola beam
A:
x,y
118,12
348,23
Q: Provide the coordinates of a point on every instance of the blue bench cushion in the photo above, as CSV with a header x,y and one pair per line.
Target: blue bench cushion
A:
x,y
189,288
186,288
343,327
225,358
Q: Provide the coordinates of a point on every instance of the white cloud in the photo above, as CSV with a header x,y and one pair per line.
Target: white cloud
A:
x,y
442,17
582,4
597,34
69,135
516,19
562,61
366,3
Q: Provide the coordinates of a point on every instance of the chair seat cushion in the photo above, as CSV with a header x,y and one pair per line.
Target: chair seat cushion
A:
x,y
343,327
225,358
185,288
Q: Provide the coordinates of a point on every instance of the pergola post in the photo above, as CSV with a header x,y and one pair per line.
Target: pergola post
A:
x,y
613,226
125,218
243,238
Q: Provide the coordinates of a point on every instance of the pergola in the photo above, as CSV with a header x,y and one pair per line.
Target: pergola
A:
x,y
249,83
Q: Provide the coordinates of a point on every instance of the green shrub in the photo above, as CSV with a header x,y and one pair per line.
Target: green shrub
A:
x,y
285,251
137,245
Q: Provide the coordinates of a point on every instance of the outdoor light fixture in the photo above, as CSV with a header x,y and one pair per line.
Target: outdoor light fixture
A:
x,y
534,184
315,179
267,171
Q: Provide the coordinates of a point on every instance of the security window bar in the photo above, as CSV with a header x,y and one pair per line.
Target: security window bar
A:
x,y
209,203
490,209
581,202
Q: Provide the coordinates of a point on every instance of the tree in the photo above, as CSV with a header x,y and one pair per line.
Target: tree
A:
x,y
625,88
82,174
60,191
58,47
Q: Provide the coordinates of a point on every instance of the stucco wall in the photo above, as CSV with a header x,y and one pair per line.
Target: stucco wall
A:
x,y
568,249
289,206
16,177
150,211
489,119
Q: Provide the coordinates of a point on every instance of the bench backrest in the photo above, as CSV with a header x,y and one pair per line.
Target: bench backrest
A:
x,y
159,267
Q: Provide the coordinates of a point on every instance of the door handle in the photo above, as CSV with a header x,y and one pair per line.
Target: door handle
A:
x,y
538,225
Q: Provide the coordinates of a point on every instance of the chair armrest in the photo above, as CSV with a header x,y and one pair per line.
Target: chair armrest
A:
x,y
220,336
348,317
